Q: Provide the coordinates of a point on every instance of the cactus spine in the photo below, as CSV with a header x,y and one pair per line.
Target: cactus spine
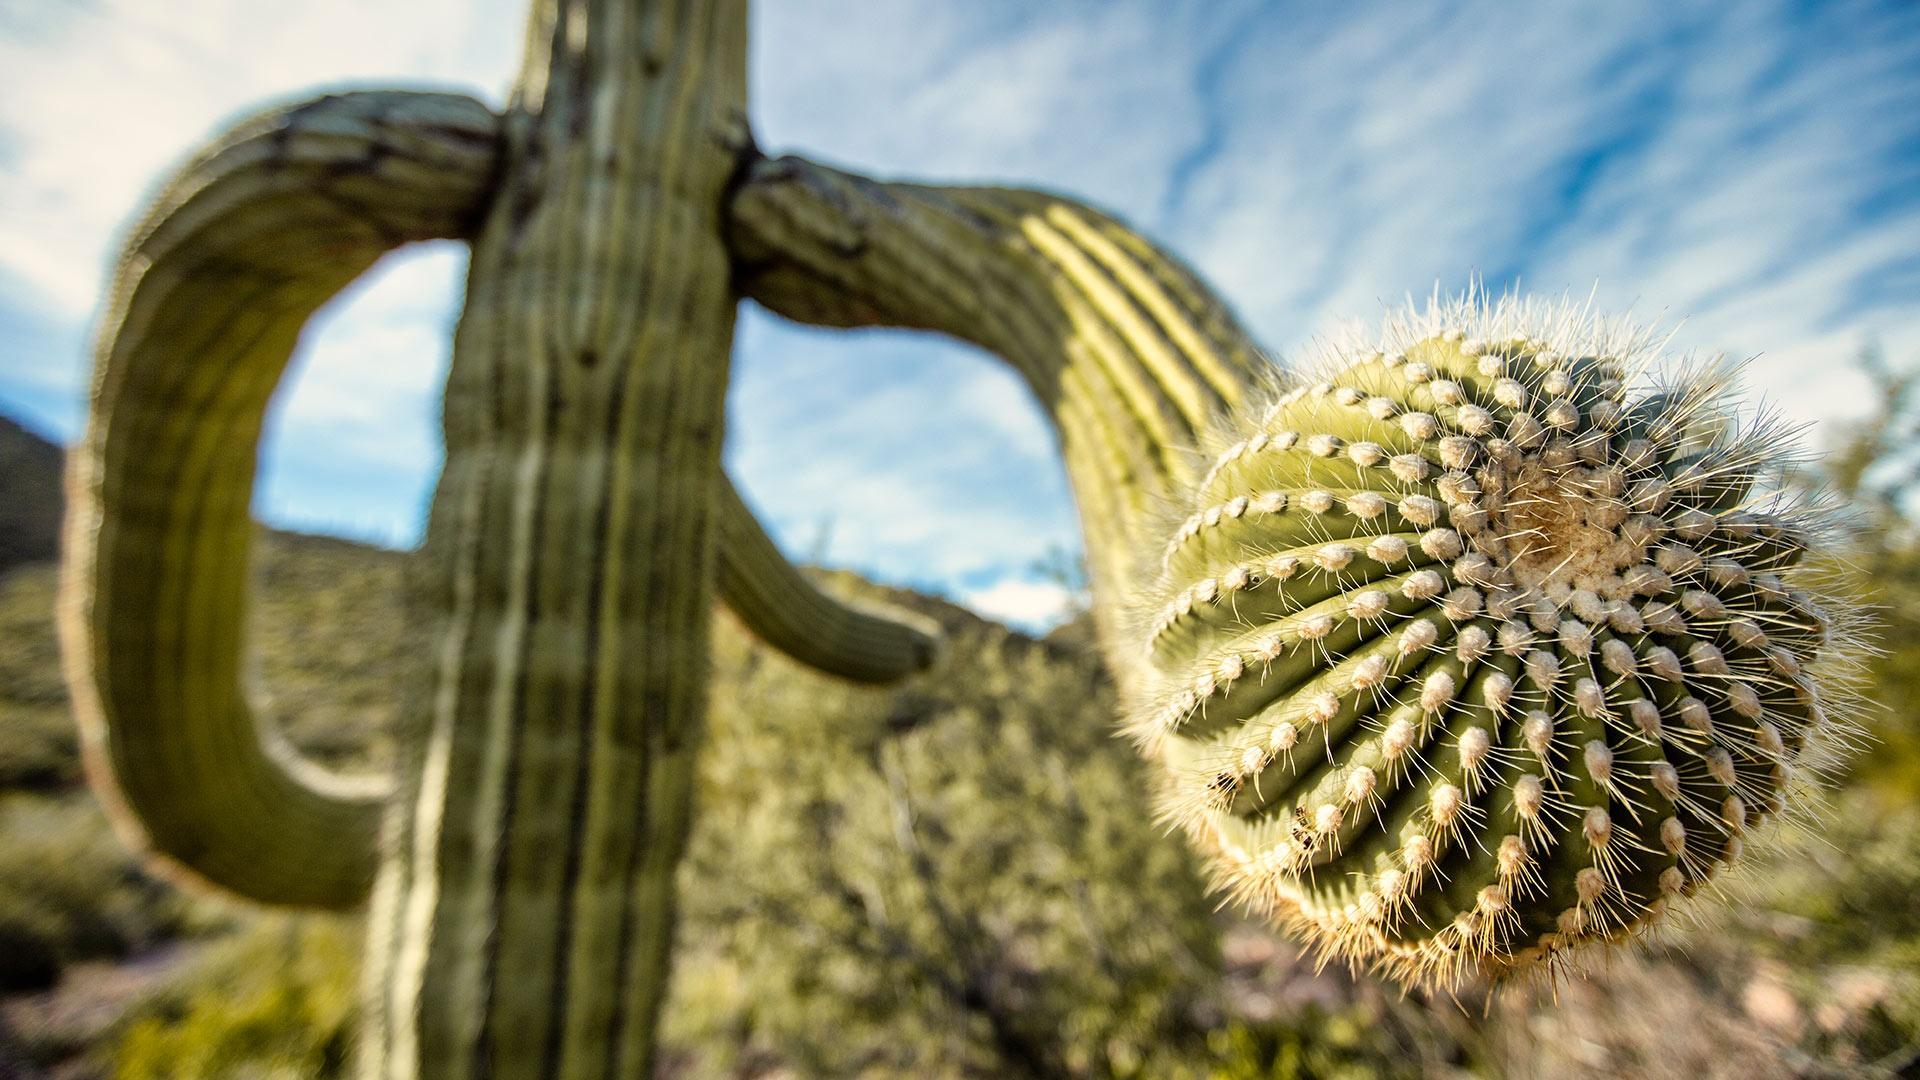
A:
x,y
1474,651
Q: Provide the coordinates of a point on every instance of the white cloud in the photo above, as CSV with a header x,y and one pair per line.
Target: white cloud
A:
x,y
1031,605
925,462
369,373
1709,166
101,99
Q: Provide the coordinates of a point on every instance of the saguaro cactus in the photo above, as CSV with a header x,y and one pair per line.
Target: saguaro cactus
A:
x,y
520,868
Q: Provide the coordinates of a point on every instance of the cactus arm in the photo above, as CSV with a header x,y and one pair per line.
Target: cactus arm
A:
x,y
1131,355
792,614
207,301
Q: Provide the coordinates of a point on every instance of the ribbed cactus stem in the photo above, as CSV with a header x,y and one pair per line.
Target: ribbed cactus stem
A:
x,y
527,915
1473,650
524,913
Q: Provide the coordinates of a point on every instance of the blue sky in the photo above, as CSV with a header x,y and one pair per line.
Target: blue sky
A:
x,y
1749,171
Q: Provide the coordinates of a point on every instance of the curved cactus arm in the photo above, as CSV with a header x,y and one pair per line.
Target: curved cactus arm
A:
x,y
209,297
1130,353
792,614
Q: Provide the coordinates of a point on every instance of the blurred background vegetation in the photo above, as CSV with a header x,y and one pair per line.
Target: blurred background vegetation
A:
x,y
958,877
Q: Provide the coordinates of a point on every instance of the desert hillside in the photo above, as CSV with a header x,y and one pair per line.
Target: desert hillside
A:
x,y
30,504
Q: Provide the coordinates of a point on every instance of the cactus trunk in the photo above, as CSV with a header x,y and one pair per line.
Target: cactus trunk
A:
x,y
524,912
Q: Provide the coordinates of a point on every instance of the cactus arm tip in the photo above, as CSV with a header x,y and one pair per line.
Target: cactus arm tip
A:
x,y
780,605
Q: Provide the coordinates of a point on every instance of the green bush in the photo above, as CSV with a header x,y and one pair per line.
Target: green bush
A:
x,y
961,877
30,938
71,891
1312,1044
1842,923
38,747
275,1002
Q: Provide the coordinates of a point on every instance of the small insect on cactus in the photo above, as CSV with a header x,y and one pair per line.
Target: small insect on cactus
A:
x,y
1491,643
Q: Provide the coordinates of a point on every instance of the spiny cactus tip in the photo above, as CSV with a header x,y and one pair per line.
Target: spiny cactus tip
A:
x,y
1488,641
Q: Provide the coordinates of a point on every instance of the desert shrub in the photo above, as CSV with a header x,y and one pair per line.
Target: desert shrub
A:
x,y
38,748
333,645
70,891
274,1002
1875,467
30,938
961,877
1845,932
1314,1043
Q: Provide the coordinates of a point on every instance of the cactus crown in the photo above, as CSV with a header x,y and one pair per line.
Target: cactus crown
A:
x,y
1491,641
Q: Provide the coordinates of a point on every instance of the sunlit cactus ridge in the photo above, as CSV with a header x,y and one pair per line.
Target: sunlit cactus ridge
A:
x,y
1491,640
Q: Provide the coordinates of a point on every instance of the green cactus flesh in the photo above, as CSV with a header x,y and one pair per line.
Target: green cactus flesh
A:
x,y
1474,652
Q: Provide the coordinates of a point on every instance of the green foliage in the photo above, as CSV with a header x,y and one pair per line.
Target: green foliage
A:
x,y
957,877
30,938
69,891
30,517
38,747
1313,1044
1875,468
330,630
276,1001
1842,922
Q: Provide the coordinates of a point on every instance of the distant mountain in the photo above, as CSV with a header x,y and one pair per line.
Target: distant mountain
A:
x,y
32,498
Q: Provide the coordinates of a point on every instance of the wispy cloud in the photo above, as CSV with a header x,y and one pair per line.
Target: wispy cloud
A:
x,y
1748,169
1751,170
1030,605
